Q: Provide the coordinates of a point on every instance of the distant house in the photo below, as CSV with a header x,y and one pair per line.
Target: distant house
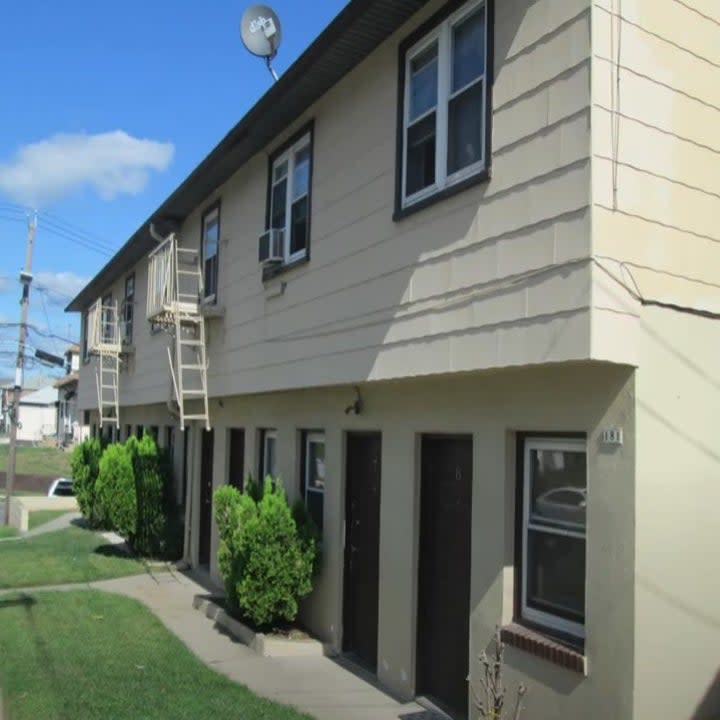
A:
x,y
70,429
5,396
38,415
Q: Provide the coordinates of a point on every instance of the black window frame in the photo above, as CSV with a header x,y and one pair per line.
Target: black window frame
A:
x,y
216,206
309,130
570,639
84,335
262,470
305,437
129,310
401,210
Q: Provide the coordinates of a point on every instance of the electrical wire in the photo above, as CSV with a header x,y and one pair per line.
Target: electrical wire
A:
x,y
107,252
63,225
47,320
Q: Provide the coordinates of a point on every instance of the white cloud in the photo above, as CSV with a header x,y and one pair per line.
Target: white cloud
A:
x,y
60,287
112,163
4,283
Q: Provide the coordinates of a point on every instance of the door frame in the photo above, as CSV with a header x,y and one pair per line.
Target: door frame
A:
x,y
203,433
346,496
417,520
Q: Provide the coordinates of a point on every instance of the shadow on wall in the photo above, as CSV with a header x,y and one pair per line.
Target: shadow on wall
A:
x,y
709,707
376,305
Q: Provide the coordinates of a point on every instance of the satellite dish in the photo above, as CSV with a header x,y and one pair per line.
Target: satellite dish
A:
x,y
261,33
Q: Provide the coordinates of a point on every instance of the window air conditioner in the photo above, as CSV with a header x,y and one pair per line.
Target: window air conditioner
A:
x,y
270,247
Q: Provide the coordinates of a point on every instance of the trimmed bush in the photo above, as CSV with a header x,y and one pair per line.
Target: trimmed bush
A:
x,y
309,533
85,466
267,563
115,490
155,534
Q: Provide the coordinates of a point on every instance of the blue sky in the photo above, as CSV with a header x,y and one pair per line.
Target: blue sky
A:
x,y
105,108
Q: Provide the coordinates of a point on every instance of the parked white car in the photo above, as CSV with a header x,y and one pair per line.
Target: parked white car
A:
x,y
563,504
62,487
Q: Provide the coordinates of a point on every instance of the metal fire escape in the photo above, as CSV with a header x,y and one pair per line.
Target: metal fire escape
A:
x,y
175,286
104,342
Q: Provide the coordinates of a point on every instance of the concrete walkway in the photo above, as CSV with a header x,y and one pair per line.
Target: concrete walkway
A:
x,y
320,686
59,523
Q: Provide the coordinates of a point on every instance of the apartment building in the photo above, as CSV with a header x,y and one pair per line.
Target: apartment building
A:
x,y
481,343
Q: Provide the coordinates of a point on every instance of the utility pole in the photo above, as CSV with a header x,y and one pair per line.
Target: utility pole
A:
x,y
14,413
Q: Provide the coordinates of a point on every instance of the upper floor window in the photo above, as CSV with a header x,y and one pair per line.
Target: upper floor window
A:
x,y
108,336
553,522
444,102
84,333
289,196
129,308
210,250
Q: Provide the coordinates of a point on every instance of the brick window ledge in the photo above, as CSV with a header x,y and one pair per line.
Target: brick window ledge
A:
x,y
542,646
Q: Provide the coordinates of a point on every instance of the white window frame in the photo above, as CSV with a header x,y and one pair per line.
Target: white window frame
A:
x,y
107,334
288,156
443,36
533,614
310,438
268,434
212,216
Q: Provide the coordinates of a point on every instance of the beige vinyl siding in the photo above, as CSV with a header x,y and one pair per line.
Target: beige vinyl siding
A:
x,y
656,163
656,114
497,275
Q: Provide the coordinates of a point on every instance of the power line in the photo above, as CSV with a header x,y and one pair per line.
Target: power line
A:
x,y
37,331
47,319
65,226
70,238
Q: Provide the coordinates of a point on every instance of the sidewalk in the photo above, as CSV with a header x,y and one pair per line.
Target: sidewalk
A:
x,y
320,686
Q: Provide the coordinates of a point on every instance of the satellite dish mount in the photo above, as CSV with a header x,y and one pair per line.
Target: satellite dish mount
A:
x,y
261,34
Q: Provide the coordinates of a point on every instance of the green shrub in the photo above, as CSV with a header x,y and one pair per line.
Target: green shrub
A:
x,y
310,535
115,491
85,466
149,489
267,563
158,532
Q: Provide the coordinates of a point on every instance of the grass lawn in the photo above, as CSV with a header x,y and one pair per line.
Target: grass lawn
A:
x,y
7,531
40,517
92,656
65,556
45,461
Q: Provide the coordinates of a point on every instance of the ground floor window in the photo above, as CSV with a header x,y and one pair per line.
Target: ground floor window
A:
x,y
313,474
552,521
268,454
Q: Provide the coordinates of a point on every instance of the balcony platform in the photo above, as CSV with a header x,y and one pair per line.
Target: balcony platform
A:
x,y
166,313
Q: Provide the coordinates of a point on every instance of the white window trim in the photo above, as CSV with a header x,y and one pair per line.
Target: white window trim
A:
x,y
310,438
538,616
443,35
268,434
213,215
289,156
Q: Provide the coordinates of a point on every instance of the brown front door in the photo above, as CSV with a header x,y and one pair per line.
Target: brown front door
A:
x,y
206,483
362,547
237,458
444,572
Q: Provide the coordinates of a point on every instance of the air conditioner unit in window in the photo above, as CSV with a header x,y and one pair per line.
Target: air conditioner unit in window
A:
x,y
270,247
